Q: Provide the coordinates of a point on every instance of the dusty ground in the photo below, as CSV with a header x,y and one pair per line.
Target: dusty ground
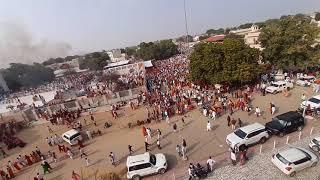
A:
x,y
200,143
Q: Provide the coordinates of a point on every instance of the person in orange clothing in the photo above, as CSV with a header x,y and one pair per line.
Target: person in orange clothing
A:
x,y
10,172
75,176
144,131
29,161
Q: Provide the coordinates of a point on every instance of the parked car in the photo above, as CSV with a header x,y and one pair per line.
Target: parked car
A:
x,y
279,86
286,123
146,164
314,103
305,80
247,135
294,159
72,136
315,144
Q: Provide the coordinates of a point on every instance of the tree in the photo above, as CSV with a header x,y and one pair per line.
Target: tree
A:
x,y
215,31
317,16
53,61
130,51
20,76
288,41
229,62
245,26
159,50
94,61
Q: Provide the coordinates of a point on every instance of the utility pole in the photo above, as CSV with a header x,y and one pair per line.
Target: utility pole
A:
x,y
186,21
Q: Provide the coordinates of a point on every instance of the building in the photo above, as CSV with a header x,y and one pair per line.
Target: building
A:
x,y
3,84
215,39
251,36
313,20
116,55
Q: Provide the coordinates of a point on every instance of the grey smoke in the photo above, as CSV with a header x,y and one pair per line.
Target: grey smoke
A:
x,y
17,44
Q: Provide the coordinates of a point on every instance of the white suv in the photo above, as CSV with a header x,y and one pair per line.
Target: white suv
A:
x,y
247,135
279,86
145,164
314,103
294,159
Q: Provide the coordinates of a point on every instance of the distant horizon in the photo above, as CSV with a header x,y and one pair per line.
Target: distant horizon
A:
x,y
34,32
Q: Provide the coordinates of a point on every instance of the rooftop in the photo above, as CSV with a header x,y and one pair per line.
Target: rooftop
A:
x,y
216,38
138,159
292,154
254,126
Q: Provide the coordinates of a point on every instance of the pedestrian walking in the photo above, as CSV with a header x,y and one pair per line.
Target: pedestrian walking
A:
x,y
233,156
112,158
210,163
75,176
183,122
158,143
159,133
149,133
208,126
89,134
174,127
233,124
87,161
54,156
258,112
303,97
82,153
273,108
240,122
178,149
130,149
146,145
228,120
70,154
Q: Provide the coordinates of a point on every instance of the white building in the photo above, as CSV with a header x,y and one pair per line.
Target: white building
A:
x,y
3,84
251,36
115,55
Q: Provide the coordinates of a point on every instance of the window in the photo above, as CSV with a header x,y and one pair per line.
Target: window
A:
x,y
66,137
253,134
139,167
74,136
240,133
303,160
282,159
153,159
315,100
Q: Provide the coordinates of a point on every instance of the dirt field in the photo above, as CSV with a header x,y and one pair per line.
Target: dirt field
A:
x,y
200,144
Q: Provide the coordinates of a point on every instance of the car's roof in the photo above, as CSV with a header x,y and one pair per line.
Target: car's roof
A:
x,y
252,127
288,116
138,159
293,154
70,132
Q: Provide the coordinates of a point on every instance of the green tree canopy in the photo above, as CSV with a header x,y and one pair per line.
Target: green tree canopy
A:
x,y
94,61
20,76
229,62
245,26
159,50
288,41
215,31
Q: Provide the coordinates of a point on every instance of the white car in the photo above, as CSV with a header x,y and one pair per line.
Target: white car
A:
x,y
72,136
247,135
145,164
315,144
279,86
305,80
314,102
294,159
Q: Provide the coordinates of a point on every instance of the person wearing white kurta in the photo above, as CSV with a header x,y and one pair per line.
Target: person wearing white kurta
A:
x,y
208,126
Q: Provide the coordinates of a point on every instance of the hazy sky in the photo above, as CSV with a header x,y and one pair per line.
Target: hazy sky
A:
x,y
88,25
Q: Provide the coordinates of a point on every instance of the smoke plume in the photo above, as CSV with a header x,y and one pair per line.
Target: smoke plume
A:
x,y
18,45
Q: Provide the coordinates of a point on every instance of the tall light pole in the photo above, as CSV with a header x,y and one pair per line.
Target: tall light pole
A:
x,y
186,21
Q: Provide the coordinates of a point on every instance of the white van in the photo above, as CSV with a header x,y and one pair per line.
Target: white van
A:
x,y
72,136
145,164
